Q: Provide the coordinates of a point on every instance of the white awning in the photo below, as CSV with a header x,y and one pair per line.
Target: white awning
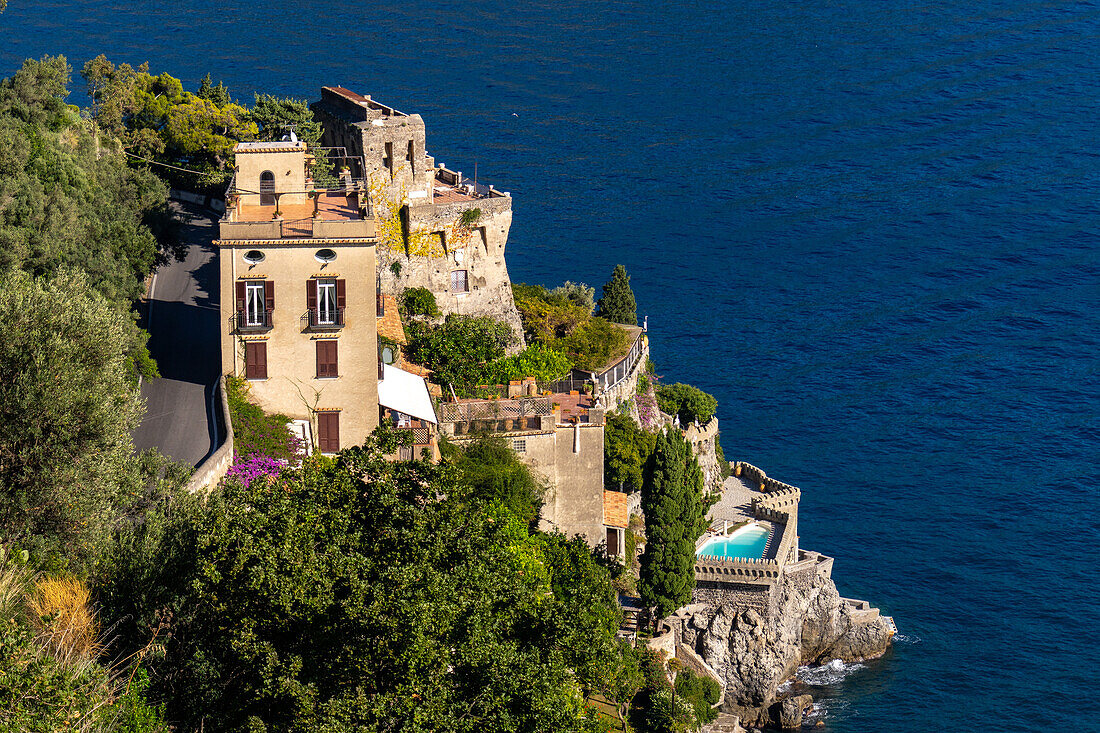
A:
x,y
404,392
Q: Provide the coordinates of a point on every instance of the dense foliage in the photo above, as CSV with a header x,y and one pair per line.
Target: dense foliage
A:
x,y
67,406
554,319
702,692
255,432
494,472
617,303
359,594
465,352
458,349
66,198
577,294
688,402
538,361
419,302
156,119
675,509
50,678
627,448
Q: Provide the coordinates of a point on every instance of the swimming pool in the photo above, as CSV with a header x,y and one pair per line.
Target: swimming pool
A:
x,y
747,542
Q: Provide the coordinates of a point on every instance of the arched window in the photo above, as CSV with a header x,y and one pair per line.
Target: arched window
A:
x,y
267,188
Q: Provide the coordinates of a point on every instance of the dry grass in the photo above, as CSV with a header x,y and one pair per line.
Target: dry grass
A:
x,y
60,609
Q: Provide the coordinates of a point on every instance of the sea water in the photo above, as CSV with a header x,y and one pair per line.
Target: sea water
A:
x,y
870,229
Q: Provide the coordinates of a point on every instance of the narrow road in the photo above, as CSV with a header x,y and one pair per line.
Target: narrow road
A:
x,y
182,320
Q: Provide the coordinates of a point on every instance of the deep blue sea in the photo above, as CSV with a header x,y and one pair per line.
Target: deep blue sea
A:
x,y
871,229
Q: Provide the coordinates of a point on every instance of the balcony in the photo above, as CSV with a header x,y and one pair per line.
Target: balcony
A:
x,y
333,320
251,323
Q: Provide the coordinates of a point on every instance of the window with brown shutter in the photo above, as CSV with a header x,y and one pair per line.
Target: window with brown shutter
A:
x,y
255,359
311,295
326,359
328,431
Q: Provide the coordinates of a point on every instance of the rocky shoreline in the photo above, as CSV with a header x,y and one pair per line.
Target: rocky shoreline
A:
x,y
754,623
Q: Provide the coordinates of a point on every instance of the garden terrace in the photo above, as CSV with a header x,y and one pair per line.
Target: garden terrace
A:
x,y
542,413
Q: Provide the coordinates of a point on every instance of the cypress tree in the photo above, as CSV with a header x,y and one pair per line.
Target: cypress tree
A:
x,y
617,304
675,517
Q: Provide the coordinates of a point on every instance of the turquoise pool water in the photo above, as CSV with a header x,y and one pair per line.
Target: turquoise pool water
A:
x,y
747,542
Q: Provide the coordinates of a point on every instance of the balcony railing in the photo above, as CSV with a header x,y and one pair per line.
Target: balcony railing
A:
x,y
244,322
312,320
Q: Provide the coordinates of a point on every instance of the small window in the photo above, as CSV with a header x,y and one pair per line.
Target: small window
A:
x,y
459,281
388,357
519,445
326,359
328,432
255,360
324,255
253,256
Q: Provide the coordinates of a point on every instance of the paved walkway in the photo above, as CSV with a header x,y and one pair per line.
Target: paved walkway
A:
x,y
182,320
736,502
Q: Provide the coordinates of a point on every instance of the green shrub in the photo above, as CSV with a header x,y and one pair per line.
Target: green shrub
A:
x,y
458,350
492,469
538,361
577,294
419,302
626,448
554,319
702,692
255,431
690,403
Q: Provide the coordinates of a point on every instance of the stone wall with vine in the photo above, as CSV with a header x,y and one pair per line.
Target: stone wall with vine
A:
x,y
421,244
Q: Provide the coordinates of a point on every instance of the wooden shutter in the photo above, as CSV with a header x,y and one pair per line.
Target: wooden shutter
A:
x,y
311,295
269,295
240,296
255,360
328,431
326,359
341,294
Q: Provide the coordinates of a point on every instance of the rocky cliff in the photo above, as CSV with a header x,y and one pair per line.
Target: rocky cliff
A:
x,y
754,652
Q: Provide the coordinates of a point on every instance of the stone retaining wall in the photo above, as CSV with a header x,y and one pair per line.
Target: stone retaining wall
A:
x,y
208,473
738,595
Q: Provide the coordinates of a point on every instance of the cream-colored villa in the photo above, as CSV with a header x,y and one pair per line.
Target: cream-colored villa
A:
x,y
299,294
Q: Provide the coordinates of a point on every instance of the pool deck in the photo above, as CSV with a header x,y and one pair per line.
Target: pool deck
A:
x,y
736,502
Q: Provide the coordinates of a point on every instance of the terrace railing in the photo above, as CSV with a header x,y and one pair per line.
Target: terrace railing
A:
x,y
524,407
313,321
243,322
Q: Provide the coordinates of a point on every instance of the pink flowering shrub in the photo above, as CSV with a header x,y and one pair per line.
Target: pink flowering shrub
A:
x,y
647,409
252,467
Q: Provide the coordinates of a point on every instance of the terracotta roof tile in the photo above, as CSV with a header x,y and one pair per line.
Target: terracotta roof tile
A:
x,y
615,511
390,324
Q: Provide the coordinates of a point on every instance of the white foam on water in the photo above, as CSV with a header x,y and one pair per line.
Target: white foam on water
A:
x,y
906,639
828,674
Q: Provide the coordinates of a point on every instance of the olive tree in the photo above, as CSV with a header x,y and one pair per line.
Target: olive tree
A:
x,y
67,407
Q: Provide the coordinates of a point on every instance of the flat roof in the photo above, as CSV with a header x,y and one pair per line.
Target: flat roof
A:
x,y
276,146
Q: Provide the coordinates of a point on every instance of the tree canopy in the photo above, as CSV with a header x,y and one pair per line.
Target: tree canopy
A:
x,y
675,510
359,594
561,320
67,197
67,406
617,303
155,118
688,402
627,448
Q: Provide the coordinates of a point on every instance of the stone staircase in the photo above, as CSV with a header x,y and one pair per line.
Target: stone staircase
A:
x,y
725,723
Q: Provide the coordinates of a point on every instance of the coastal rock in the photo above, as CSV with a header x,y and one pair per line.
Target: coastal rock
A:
x,y
787,713
754,650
